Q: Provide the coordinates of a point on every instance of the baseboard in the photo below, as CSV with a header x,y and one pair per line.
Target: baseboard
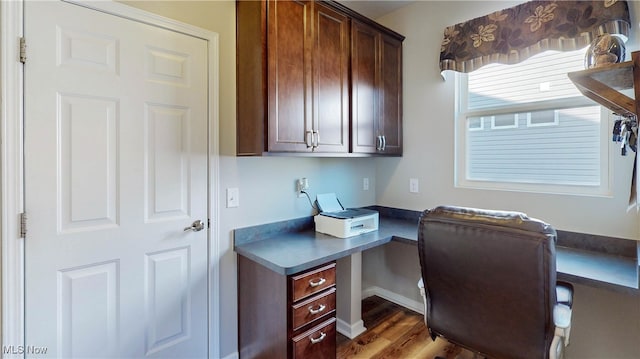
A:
x,y
350,331
414,305
232,356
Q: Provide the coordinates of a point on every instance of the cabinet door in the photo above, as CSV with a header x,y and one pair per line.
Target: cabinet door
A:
x,y
364,95
289,75
390,92
331,80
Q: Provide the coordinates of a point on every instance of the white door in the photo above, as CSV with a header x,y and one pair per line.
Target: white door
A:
x,y
115,169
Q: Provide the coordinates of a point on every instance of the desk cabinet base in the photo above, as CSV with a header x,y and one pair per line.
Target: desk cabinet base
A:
x,y
271,318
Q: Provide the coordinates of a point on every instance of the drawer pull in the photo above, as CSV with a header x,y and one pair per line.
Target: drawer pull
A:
x,y
315,284
316,311
319,339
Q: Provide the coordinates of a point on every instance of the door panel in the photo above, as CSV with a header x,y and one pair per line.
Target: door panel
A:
x,y
167,306
88,310
166,153
115,169
87,140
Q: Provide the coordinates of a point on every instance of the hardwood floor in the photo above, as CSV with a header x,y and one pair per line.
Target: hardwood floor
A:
x,y
394,332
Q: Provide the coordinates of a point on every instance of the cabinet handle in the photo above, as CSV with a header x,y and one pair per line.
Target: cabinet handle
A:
x,y
384,142
315,284
317,138
379,143
319,339
316,311
308,139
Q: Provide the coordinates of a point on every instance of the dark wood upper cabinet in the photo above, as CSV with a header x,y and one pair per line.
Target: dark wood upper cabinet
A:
x,y
295,69
274,75
251,77
331,79
376,63
289,74
364,95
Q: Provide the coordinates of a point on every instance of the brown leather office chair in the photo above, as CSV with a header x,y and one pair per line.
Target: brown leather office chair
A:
x,y
490,283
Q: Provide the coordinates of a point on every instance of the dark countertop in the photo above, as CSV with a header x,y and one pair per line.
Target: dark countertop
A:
x,y
306,248
597,269
289,247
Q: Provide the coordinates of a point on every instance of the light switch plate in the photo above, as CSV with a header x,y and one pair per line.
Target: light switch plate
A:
x,y
414,185
233,197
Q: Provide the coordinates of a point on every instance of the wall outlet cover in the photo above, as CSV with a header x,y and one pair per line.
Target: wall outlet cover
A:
x,y
233,197
414,185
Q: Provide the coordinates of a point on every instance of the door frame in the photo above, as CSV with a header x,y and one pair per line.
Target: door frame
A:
x,y
12,164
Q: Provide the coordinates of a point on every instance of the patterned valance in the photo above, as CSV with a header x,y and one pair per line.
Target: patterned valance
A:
x,y
515,34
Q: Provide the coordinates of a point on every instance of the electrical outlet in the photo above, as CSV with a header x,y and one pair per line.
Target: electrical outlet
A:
x,y
233,197
365,184
414,185
302,184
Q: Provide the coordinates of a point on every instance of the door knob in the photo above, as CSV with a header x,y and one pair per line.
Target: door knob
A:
x,y
196,226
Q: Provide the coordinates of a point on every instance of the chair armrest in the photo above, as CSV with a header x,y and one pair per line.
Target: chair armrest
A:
x,y
421,287
562,316
564,293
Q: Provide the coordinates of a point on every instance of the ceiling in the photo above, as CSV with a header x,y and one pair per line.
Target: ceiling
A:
x,y
374,8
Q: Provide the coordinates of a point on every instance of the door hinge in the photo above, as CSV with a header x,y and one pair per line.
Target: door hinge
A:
x,y
23,225
23,50
208,223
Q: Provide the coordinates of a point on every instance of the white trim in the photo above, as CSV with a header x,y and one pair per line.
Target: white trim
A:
x,y
11,22
132,13
214,195
416,306
560,104
11,172
350,330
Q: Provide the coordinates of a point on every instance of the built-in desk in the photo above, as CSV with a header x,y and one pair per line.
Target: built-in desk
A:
x,y
291,247
290,252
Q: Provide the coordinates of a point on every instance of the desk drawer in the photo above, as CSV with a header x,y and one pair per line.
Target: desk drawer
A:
x,y
313,308
316,343
308,283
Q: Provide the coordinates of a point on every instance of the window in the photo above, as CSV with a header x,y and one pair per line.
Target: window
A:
x,y
476,124
526,127
504,121
543,118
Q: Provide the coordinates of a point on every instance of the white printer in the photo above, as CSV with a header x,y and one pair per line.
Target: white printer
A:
x,y
337,221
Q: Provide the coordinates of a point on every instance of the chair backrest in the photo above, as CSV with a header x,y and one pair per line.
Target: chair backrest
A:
x,y
490,280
